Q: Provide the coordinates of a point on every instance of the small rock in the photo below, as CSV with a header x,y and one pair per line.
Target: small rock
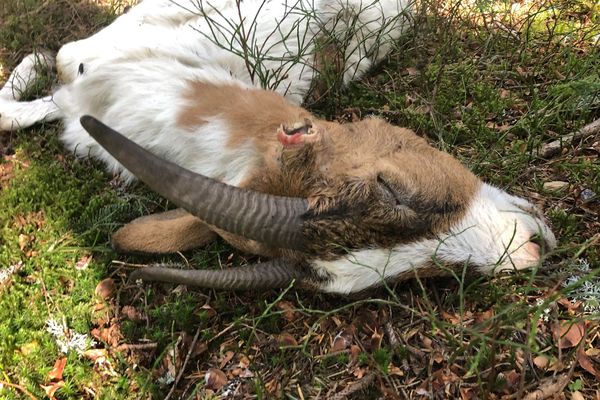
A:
x,y
587,195
555,186
106,288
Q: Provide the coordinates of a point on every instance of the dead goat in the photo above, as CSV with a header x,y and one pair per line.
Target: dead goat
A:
x,y
339,208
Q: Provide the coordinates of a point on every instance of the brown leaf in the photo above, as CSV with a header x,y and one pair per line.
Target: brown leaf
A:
x,y
106,288
226,358
244,362
57,372
131,313
585,363
286,339
96,355
412,71
358,372
569,334
215,379
289,311
341,342
376,339
541,361
51,389
25,240
576,395
452,318
512,378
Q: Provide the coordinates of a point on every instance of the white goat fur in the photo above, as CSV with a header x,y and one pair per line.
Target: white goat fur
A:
x,y
135,74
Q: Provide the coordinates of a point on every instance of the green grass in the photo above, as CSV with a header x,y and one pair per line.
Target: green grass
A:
x,y
478,91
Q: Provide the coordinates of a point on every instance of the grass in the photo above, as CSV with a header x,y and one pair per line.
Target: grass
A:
x,y
488,85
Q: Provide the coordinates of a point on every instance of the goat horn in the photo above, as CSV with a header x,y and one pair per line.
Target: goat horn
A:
x,y
268,275
274,220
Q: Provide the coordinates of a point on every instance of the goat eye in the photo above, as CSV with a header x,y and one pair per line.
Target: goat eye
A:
x,y
387,191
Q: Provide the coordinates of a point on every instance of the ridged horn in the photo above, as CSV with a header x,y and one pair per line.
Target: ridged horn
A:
x,y
273,220
268,275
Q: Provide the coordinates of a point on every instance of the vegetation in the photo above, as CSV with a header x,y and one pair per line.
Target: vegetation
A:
x,y
489,81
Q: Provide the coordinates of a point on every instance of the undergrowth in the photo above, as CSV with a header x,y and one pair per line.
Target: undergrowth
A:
x,y
488,81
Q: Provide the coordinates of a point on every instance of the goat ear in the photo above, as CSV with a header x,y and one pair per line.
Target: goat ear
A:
x,y
162,233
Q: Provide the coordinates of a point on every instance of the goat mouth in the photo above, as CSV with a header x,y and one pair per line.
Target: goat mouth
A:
x,y
297,134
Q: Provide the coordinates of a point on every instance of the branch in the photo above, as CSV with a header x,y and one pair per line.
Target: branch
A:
x,y
553,148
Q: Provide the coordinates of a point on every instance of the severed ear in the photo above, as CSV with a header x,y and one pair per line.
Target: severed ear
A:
x,y
162,233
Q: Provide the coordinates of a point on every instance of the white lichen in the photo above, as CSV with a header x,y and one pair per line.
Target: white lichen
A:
x,y
66,338
583,286
6,273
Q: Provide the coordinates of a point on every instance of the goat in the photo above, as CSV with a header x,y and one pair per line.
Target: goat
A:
x,y
338,207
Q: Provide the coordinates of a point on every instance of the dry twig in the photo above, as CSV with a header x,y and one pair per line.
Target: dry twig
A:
x,y
553,148
19,388
187,359
362,384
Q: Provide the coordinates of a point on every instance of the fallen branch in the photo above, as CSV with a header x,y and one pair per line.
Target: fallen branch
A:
x,y
553,148
362,384
137,346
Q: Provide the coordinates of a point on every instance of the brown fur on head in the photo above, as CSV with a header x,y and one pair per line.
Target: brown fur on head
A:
x,y
369,184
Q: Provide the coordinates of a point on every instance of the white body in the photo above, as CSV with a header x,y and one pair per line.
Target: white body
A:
x,y
133,75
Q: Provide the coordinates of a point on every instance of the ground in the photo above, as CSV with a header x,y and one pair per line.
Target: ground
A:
x,y
489,82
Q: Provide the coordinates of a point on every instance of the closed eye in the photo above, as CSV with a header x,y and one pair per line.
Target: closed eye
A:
x,y
388,191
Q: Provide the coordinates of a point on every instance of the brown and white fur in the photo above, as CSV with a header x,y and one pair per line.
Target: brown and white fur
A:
x,y
386,203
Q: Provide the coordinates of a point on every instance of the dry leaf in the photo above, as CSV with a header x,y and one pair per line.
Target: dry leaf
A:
x,y
340,342
569,334
96,355
286,339
51,389
412,71
358,372
555,186
576,395
244,362
226,358
106,288
541,361
376,339
57,372
585,363
452,318
131,313
215,379
289,313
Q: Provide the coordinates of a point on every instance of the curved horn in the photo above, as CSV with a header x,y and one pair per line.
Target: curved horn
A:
x,y
268,275
269,219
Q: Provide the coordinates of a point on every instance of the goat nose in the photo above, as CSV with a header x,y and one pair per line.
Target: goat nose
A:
x,y
533,249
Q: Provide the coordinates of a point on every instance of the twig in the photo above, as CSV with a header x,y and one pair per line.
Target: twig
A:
x,y
553,148
362,384
187,358
20,388
137,346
